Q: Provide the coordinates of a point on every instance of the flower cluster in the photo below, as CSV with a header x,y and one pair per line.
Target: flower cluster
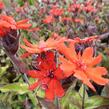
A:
x,y
85,7
57,58
74,8
71,63
7,23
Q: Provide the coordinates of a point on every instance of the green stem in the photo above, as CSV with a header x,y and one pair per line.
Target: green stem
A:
x,y
83,98
57,103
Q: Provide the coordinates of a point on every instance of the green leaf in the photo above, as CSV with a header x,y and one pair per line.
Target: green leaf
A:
x,y
41,93
7,3
96,102
19,88
72,100
4,105
20,2
31,2
105,91
33,98
3,70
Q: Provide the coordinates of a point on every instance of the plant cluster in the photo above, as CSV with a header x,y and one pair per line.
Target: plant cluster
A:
x,y
56,53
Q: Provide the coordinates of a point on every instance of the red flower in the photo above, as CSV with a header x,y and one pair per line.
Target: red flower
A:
x,y
2,5
56,11
83,67
89,2
48,76
89,7
74,8
78,20
64,19
7,23
48,19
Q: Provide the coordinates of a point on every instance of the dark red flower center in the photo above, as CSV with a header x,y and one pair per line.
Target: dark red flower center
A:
x,y
81,66
50,74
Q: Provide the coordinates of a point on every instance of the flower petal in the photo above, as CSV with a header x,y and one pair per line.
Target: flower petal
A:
x,y
30,50
96,75
83,77
59,91
8,19
49,93
29,44
100,80
87,55
23,26
100,71
45,80
96,60
5,24
22,21
34,85
35,74
34,29
25,55
67,51
59,74
67,67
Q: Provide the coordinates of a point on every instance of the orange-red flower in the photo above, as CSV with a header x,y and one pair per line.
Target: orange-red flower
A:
x,y
48,19
48,76
83,66
85,40
89,7
56,11
7,23
50,43
78,20
74,7
35,29
64,19
2,5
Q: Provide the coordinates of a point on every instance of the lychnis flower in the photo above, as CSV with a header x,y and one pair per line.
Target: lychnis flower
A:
x,y
7,23
55,11
83,66
49,44
49,19
48,76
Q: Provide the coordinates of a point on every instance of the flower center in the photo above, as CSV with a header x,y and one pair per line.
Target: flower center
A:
x,y
81,66
50,74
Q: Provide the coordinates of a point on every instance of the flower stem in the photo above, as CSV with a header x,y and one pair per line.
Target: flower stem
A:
x,y
19,66
83,98
57,103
